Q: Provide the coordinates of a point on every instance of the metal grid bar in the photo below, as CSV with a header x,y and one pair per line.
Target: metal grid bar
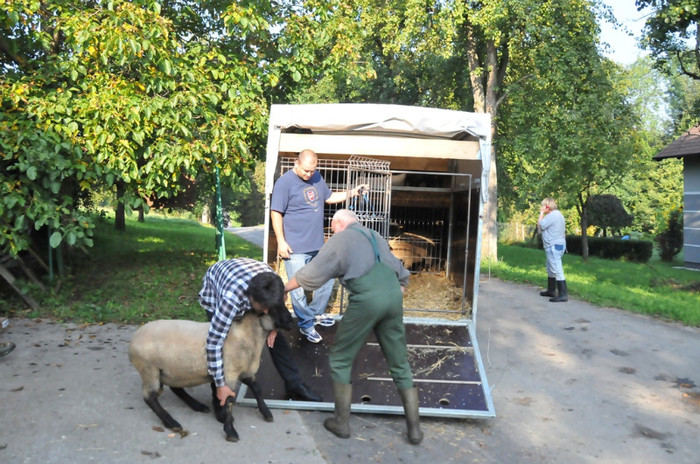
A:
x,y
420,235
372,206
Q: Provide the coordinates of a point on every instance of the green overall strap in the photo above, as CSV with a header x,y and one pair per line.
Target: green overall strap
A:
x,y
373,241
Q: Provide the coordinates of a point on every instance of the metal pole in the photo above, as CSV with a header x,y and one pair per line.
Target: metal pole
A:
x,y
50,258
220,245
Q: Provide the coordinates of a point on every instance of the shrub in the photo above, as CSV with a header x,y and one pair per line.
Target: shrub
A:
x,y
607,212
612,248
671,239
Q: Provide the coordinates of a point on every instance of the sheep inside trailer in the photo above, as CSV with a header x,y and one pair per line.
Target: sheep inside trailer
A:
x,y
427,170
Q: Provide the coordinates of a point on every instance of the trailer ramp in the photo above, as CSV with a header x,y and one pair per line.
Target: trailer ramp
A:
x,y
444,357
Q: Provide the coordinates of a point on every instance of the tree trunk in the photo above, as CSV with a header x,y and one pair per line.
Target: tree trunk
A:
x,y
584,229
206,215
489,233
485,80
119,217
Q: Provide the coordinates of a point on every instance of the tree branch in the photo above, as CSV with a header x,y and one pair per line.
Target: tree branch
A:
x,y
13,57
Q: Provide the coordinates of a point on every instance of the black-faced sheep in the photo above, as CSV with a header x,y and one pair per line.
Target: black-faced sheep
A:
x,y
172,352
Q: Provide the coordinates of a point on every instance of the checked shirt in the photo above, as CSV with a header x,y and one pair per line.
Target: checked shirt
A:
x,y
223,296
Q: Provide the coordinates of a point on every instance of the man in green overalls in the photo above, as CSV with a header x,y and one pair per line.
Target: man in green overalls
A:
x,y
376,280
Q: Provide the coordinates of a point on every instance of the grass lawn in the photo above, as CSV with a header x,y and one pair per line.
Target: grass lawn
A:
x,y
656,288
154,270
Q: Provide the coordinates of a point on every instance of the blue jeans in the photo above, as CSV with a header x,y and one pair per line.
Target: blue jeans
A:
x,y
554,266
305,312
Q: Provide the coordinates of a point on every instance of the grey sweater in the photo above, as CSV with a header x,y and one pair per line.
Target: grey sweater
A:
x,y
553,227
346,256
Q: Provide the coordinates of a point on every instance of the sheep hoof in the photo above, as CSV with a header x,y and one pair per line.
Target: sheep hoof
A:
x,y
231,433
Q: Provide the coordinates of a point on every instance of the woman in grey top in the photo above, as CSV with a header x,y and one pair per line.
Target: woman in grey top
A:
x,y
552,225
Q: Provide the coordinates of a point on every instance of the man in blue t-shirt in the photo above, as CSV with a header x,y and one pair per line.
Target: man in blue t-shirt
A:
x,y
296,212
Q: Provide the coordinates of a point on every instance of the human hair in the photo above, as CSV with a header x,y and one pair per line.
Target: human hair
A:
x,y
345,215
306,152
267,289
549,203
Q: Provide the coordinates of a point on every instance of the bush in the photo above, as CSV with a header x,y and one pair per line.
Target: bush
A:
x,y
607,212
612,248
671,240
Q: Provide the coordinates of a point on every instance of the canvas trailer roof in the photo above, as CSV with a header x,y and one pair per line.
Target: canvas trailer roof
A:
x,y
453,382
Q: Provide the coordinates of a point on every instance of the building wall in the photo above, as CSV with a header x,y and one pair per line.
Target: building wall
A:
x,y
691,211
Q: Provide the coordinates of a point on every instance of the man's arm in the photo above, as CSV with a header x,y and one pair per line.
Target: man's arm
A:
x,y
339,197
283,248
543,213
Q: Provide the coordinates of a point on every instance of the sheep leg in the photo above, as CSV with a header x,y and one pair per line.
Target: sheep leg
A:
x,y
257,392
229,430
168,421
189,400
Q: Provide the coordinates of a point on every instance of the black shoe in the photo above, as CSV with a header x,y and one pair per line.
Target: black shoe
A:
x,y
303,393
563,293
551,288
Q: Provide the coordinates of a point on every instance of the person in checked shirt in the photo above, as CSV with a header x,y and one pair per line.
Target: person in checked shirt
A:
x,y
229,289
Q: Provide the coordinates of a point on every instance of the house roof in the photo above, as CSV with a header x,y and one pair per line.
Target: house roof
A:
x,y
687,144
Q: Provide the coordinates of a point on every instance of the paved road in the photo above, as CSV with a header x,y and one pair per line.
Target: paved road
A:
x,y
571,383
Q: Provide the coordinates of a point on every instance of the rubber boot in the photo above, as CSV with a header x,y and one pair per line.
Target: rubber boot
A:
x,y
551,282
563,295
340,424
409,396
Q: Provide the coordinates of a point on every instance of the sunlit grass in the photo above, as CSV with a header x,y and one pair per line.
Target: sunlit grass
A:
x,y
655,288
153,270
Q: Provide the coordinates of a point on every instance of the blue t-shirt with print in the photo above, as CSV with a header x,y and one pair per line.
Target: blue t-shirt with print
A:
x,y
301,205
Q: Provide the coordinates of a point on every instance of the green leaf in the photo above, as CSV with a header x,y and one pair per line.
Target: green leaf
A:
x,y
70,238
55,239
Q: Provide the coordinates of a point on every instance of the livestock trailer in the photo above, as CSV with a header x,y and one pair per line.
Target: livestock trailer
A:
x,y
427,169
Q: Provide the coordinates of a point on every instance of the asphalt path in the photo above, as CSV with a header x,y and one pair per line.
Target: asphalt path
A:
x,y
571,383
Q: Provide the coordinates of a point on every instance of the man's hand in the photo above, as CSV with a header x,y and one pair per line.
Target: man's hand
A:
x,y
362,188
222,393
271,338
283,249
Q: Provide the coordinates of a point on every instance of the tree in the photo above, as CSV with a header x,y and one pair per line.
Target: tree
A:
x,y
116,93
572,132
450,54
606,211
672,33
651,186
671,239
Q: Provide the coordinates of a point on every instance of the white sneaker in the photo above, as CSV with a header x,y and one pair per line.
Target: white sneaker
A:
x,y
325,320
311,334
